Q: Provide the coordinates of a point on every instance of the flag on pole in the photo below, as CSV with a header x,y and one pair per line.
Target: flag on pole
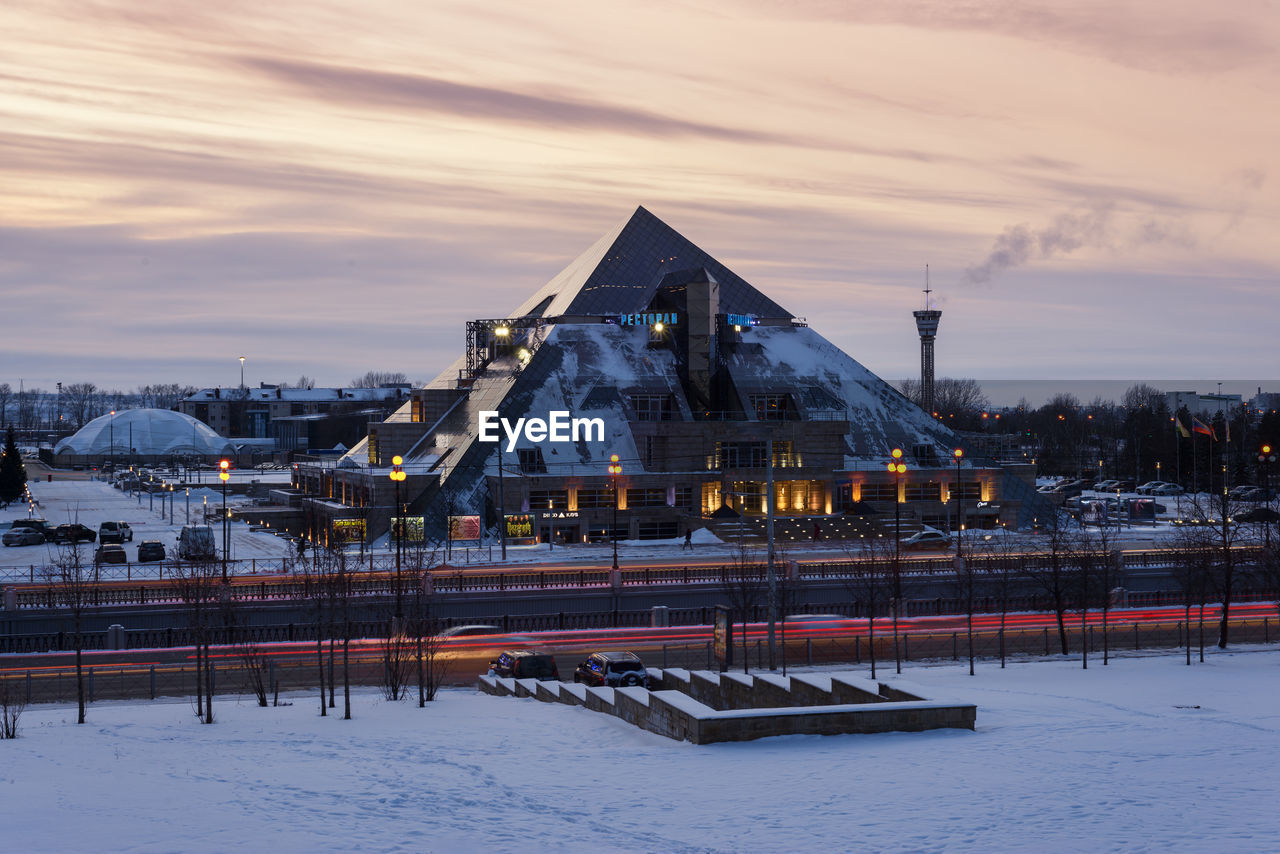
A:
x,y
1181,428
1198,426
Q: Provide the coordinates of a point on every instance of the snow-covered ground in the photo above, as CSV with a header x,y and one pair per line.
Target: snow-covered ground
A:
x,y
91,502
1146,754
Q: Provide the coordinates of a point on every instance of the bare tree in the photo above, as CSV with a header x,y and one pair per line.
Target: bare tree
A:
x,y
71,582
197,583
302,381
1051,570
1097,558
315,590
12,703
1002,562
78,398
429,649
1192,567
743,580
869,584
377,379
1221,537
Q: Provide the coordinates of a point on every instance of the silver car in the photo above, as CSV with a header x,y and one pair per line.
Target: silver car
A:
x,y
22,537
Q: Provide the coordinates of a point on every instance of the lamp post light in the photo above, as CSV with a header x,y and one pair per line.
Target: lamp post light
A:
x,y
242,372
111,425
898,468
615,469
1267,458
224,475
958,454
397,526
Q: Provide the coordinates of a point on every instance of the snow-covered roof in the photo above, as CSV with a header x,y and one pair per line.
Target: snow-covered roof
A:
x,y
302,395
148,432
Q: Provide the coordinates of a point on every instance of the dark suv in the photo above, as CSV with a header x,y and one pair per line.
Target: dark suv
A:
x,y
523,664
40,525
614,669
73,533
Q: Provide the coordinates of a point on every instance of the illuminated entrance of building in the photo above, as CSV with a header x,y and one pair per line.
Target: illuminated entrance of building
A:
x,y
791,497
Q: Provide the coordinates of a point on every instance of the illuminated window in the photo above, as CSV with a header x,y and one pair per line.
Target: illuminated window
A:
x,y
549,499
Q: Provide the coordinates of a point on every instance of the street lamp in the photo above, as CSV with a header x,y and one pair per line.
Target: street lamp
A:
x,y
397,525
615,469
242,372
1267,458
111,451
224,475
959,455
898,468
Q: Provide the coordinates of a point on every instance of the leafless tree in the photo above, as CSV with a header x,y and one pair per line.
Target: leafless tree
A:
x,y
315,590
744,582
71,581
1221,537
1052,571
869,584
198,584
78,400
12,703
302,381
1003,565
376,379
432,661
1096,554
1192,560
951,395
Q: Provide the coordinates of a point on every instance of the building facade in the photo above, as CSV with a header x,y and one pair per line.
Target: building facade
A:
x,y
704,392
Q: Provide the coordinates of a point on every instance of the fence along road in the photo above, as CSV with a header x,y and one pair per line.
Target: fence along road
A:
x,y
275,579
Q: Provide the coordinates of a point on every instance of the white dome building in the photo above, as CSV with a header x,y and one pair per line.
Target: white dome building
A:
x,y
141,435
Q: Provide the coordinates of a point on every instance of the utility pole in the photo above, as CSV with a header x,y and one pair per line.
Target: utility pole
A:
x,y
502,507
773,576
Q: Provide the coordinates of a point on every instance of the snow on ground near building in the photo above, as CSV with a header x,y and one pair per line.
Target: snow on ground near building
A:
x,y
1143,755
92,502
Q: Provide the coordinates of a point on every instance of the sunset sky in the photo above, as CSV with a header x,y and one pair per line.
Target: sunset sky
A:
x,y
328,188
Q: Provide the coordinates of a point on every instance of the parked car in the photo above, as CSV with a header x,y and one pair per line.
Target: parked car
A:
x,y
150,550
614,669
46,530
110,554
1252,493
22,537
926,540
114,532
1166,489
523,664
73,533
1145,489
195,542
1259,514
1106,486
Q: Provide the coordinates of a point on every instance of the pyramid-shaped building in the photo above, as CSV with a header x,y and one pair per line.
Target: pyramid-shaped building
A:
x,y
687,373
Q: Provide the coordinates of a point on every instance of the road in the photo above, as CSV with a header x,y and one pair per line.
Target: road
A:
x,y
49,677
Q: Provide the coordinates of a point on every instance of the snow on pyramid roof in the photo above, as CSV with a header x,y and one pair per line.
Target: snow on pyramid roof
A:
x,y
621,271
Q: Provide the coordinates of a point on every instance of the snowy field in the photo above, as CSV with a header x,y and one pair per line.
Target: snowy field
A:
x,y
1144,755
